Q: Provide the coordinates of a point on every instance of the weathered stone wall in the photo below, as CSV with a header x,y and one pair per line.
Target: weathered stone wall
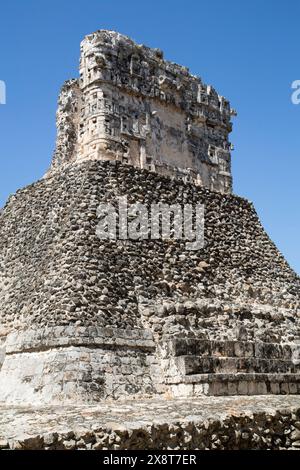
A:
x,y
131,105
55,270
67,122
77,364
237,293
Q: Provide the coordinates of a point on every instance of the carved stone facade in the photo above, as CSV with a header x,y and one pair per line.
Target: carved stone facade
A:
x,y
133,106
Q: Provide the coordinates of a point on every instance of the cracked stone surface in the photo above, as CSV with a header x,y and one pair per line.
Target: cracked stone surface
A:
x,y
204,423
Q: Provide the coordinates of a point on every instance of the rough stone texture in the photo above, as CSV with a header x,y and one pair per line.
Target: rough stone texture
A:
x,y
131,105
220,320
49,244
76,364
87,322
204,423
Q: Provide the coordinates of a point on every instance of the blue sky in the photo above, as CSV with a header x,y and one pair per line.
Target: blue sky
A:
x,y
248,50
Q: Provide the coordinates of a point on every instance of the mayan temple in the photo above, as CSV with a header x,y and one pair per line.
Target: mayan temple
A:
x,y
87,321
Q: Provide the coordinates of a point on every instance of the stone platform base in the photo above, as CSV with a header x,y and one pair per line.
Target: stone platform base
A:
x,y
257,422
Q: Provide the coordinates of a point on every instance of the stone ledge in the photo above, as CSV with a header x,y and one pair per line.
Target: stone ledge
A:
x,y
230,365
228,348
256,422
234,384
56,337
233,377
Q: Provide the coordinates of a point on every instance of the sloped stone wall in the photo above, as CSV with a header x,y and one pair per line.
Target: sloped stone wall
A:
x,y
56,271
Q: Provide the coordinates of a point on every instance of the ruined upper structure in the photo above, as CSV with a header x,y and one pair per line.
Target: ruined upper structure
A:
x,y
131,105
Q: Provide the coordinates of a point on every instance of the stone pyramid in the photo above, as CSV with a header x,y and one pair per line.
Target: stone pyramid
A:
x,y
85,318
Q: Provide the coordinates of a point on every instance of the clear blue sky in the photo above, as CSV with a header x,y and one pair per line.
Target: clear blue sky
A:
x,y
249,50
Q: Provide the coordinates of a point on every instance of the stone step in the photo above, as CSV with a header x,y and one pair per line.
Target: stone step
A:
x,y
242,349
188,365
234,384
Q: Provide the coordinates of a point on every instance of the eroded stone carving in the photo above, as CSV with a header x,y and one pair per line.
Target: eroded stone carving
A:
x,y
133,106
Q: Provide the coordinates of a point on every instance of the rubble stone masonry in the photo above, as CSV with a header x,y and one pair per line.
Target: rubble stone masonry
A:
x,y
204,343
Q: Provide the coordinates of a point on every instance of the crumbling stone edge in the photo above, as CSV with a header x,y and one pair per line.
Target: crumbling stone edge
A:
x,y
273,430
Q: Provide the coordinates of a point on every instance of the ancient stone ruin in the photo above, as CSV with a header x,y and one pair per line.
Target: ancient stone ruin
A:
x,y
131,106
83,319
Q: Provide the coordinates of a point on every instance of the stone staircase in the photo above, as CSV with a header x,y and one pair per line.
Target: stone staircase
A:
x,y
202,367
